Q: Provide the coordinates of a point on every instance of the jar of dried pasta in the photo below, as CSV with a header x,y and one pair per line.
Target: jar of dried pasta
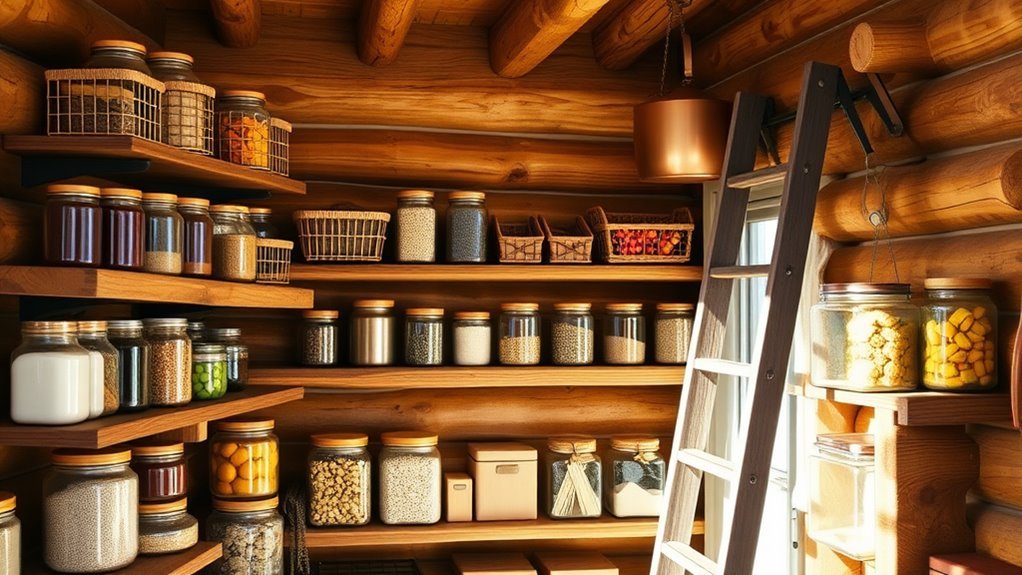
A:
x,y
243,129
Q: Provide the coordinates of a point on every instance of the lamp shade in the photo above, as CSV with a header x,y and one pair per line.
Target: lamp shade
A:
x,y
681,138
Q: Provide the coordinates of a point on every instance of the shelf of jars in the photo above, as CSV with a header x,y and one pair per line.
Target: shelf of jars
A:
x,y
122,428
184,563
496,273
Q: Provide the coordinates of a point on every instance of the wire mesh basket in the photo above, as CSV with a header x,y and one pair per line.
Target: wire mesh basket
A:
x,y
643,238
570,244
341,235
520,243
280,141
244,138
103,101
273,261
188,116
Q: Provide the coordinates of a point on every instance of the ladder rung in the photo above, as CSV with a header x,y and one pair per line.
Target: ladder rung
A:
x,y
708,462
723,367
740,272
688,558
759,177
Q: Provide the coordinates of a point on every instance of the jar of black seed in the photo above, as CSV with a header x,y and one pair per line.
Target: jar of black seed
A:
x,y
317,338
237,355
466,227
635,475
572,334
424,336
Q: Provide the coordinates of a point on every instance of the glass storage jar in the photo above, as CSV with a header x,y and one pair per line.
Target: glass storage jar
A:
x,y
234,244
673,332
635,475
237,355
467,220
261,222
198,237
243,129
372,332
244,459
160,467
864,337
339,480
166,528
132,363
123,228
572,334
51,375
118,54
416,226
196,331
472,339
519,334
318,337
409,478
573,489
170,361
209,370
10,536
73,226
959,335
624,334
424,336
842,500
252,534
106,396
90,511
187,104
164,236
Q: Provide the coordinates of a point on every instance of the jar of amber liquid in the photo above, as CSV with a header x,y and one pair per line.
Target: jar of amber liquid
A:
x,y
244,459
198,237
72,226
161,471
123,228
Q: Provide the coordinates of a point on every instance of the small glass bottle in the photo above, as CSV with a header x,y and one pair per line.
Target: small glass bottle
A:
x,y
635,476
10,536
424,336
51,375
198,237
340,480
92,336
472,338
164,237
574,484
244,459
519,334
209,371
132,363
409,478
243,129
673,332
123,228
959,335
166,528
624,334
73,226
234,244
372,332
318,337
467,221
416,226
261,221
170,361
252,534
160,467
572,334
237,355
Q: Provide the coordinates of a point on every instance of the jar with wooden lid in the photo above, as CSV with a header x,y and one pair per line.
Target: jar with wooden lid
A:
x,y
416,226
959,335
372,332
252,535
673,332
261,221
243,129
106,393
572,334
187,104
160,467
865,337
318,337
244,459
73,226
424,336
170,361
237,355
166,527
10,535
198,237
624,334
90,510
51,375
635,476
409,478
123,228
164,237
209,371
519,334
340,479
472,337
574,480
132,363
234,244
467,221
122,54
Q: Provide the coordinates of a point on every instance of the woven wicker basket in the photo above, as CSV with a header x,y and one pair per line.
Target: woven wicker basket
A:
x,y
520,243
103,101
569,246
640,238
188,117
273,261
341,235
280,141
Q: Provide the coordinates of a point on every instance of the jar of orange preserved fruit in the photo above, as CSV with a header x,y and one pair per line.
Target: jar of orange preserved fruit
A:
x,y
244,459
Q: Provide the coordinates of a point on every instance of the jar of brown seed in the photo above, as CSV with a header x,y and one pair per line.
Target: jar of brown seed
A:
x,y
234,244
416,226
339,479
572,334
519,334
318,337
170,361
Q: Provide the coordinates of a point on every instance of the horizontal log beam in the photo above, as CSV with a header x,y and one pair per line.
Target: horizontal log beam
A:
x,y
21,95
707,22
530,30
238,22
1000,474
620,41
997,530
382,28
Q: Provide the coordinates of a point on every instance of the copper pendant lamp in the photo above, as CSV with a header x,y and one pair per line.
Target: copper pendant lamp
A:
x,y
680,137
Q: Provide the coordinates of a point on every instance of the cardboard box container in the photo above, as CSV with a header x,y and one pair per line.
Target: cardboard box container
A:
x,y
506,483
458,495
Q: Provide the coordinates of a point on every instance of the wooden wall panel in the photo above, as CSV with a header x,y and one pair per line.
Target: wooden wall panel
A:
x,y
1000,451
997,530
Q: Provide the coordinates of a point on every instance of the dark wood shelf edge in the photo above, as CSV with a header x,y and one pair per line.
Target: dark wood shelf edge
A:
x,y
186,562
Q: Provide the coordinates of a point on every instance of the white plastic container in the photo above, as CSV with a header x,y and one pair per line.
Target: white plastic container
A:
x,y
51,375
842,511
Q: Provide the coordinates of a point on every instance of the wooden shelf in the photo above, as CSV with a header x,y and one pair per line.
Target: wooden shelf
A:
x,y
106,431
183,563
145,287
632,564
166,164
495,273
454,377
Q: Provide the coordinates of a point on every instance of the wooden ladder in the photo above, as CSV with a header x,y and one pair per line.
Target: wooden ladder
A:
x,y
673,554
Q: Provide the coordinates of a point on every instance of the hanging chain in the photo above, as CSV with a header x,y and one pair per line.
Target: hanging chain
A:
x,y
676,11
877,218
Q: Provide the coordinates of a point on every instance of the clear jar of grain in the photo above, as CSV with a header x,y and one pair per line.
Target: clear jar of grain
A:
x,y
519,334
252,534
10,536
198,234
467,221
234,244
261,221
186,106
673,332
72,226
424,336
472,338
237,355
574,479
209,371
416,226
132,363
318,337
572,334
160,466
51,375
243,129
170,361
409,478
340,479
244,459
166,528
635,476
624,334
90,511
959,335
164,234
372,332
106,393
123,228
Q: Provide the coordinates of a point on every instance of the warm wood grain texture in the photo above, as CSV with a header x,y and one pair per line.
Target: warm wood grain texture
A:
x,y
496,273
97,433
238,22
620,41
169,164
724,12
145,16
20,226
184,563
530,30
891,47
382,27
1000,452
22,95
196,433
997,531
972,190
923,408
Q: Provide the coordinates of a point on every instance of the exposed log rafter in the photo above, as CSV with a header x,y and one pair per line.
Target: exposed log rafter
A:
x,y
382,28
238,22
530,30
620,41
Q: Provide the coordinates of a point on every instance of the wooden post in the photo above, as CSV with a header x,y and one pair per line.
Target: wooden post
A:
x,y
22,95
891,47
382,27
531,29
238,22
620,41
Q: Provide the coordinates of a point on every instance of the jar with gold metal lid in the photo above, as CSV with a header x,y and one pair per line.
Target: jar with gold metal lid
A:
x,y
164,237
10,536
244,459
635,474
187,106
234,244
572,334
372,332
252,534
243,128
170,361
340,479
574,478
624,334
73,226
519,334
123,228
198,237
416,226
959,335
409,478
424,336
467,221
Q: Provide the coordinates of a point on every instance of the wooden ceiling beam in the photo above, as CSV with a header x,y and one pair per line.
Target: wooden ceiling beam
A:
x,y
530,30
382,28
238,22
620,41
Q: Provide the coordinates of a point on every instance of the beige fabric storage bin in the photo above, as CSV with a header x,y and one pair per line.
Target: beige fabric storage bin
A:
x,y
458,497
506,485
493,564
574,563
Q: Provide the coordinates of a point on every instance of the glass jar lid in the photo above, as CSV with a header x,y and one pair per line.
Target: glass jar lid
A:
x,y
161,508
157,449
49,327
340,440
635,443
124,324
193,202
249,94
866,288
624,307
469,196
228,209
416,195
121,193
519,306
675,307
174,56
8,501
321,314
196,326
572,444
93,327
472,315
150,197
90,457
72,190
210,348
409,439
373,303
245,424
236,506
425,312
120,45
573,306
957,283
174,322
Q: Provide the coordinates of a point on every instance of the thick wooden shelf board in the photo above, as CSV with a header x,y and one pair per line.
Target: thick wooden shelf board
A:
x,y
626,564
183,563
146,287
106,431
454,377
496,273
167,163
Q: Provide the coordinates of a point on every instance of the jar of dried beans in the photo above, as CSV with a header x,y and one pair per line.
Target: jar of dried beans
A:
x,y
959,335
187,105
72,226
409,478
624,334
574,484
467,221
252,534
318,337
198,237
164,237
123,228
416,226
424,336
170,361
161,471
234,244
673,332
572,334
244,459
339,479
243,129
519,334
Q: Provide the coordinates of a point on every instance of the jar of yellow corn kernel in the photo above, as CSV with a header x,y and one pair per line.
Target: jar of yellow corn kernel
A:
x,y
244,459
959,335
865,337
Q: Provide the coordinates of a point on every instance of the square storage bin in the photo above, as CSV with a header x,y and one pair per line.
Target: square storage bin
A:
x,y
842,512
506,484
493,564
458,497
574,563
